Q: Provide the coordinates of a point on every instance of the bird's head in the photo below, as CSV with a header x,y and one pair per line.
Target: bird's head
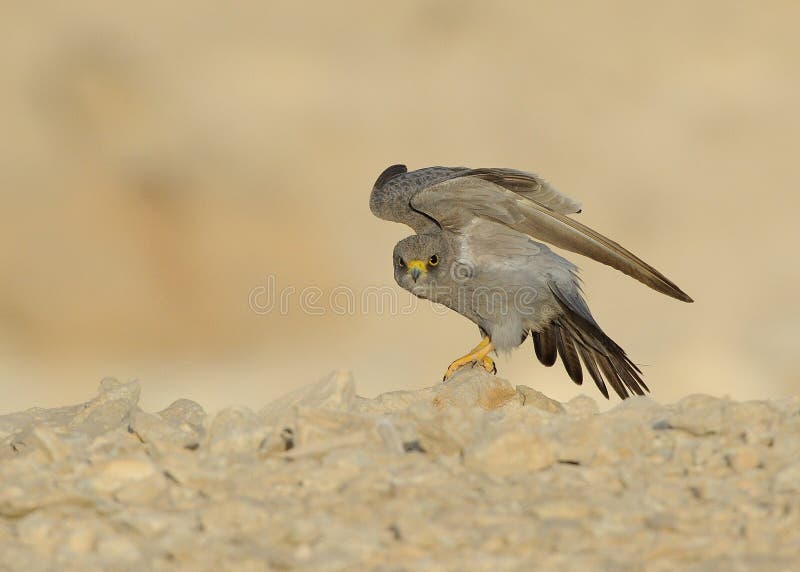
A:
x,y
420,260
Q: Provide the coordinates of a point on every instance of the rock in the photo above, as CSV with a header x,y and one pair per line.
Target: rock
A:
x,y
581,406
787,480
82,541
236,430
474,386
743,458
390,435
450,431
184,414
110,409
113,474
44,437
470,474
510,453
336,392
394,400
529,397
152,428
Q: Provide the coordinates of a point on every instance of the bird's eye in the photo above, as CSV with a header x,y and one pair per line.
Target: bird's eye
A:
x,y
400,262
433,260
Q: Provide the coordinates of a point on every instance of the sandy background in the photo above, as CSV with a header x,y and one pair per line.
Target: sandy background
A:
x,y
159,162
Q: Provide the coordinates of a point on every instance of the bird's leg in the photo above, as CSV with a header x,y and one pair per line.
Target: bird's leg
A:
x,y
478,354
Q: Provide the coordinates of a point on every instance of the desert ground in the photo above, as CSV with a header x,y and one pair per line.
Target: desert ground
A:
x,y
163,164
474,474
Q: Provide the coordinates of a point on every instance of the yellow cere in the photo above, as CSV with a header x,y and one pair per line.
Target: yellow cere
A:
x,y
418,264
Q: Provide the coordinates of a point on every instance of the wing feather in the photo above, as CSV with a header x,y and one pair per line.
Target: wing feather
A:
x,y
454,203
531,186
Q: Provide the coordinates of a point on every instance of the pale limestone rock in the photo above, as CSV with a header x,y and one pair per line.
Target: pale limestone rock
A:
x,y
581,406
563,509
46,438
390,435
111,408
474,386
450,431
236,430
743,458
510,453
119,549
337,392
468,475
152,428
395,400
184,412
82,541
125,469
787,480
529,397
317,424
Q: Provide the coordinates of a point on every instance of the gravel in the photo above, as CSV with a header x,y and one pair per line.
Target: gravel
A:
x,y
474,474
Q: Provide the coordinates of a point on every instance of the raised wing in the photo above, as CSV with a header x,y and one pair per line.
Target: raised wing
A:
x,y
530,186
455,202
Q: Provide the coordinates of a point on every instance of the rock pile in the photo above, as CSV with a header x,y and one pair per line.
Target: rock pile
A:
x,y
475,474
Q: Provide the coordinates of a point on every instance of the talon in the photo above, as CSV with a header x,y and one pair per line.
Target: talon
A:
x,y
489,365
478,355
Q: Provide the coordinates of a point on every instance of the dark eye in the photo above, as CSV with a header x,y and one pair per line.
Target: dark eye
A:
x,y
433,260
400,262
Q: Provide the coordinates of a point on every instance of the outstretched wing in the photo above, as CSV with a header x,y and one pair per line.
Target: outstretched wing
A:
x,y
395,186
455,202
530,186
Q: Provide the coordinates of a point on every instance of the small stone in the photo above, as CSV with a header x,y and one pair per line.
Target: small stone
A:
x,y
529,397
743,458
788,480
390,435
118,549
236,430
581,406
44,437
184,412
115,473
82,540
110,409
474,386
450,431
562,509
511,453
336,392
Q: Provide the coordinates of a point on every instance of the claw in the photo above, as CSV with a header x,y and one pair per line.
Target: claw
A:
x,y
489,365
478,355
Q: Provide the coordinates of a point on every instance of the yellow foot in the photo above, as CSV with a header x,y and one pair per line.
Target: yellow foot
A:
x,y
479,354
488,365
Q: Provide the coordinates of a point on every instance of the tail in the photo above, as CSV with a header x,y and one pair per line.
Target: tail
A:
x,y
575,333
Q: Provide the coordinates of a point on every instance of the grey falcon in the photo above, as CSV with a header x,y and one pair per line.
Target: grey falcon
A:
x,y
476,250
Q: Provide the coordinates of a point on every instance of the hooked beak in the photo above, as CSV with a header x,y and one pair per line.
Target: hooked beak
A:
x,y
416,268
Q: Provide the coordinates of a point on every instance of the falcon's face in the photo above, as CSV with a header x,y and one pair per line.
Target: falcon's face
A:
x,y
418,263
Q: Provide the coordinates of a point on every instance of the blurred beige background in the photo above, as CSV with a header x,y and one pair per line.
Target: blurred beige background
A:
x,y
159,161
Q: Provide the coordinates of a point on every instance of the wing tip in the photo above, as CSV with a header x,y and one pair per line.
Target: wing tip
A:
x,y
674,292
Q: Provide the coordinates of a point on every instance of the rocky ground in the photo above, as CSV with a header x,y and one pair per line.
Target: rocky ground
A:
x,y
475,474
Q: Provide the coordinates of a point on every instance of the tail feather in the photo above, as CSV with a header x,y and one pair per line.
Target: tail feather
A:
x,y
579,334
591,365
569,356
545,345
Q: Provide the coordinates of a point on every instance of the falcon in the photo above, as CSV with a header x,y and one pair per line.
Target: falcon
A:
x,y
479,250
